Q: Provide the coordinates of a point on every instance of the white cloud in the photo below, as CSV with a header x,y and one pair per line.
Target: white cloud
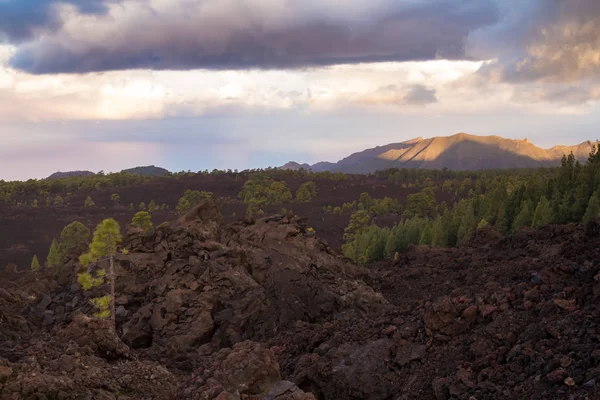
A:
x,y
421,88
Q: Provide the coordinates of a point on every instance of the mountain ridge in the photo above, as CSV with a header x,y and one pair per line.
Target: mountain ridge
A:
x,y
148,170
461,151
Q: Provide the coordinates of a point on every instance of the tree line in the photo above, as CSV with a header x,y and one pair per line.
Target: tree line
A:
x,y
505,200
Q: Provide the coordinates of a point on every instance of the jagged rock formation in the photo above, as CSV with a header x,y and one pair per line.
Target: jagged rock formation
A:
x,y
194,284
263,310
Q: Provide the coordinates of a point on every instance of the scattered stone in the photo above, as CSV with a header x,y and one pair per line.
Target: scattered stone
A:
x,y
409,352
558,375
569,381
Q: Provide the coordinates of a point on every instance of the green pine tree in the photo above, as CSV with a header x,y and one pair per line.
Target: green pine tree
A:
x,y
74,239
152,206
593,208
54,259
359,221
524,217
439,236
105,242
543,213
426,234
468,224
35,264
142,219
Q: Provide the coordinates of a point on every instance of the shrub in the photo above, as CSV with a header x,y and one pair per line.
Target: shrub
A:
x,y
190,198
306,192
89,203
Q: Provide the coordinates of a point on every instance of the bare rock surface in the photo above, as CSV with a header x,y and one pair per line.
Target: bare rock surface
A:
x,y
263,310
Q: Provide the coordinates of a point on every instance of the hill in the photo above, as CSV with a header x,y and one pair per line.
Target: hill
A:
x,y
149,170
457,152
294,166
69,174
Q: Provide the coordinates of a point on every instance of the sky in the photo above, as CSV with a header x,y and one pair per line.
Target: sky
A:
x,y
202,84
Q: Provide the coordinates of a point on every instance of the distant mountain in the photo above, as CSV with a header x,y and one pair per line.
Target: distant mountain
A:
x,y
69,174
294,166
457,152
149,170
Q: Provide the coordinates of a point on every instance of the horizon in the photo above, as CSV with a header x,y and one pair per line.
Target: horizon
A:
x,y
108,171
204,84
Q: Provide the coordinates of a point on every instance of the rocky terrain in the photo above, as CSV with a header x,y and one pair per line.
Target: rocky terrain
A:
x,y
263,309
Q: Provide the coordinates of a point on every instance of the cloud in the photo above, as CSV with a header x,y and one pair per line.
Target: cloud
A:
x,y
420,95
237,34
21,20
398,95
548,41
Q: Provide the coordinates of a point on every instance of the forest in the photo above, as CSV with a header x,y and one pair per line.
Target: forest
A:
x,y
506,200
443,208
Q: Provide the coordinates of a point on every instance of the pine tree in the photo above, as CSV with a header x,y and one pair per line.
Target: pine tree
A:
x,y
593,208
131,206
468,224
74,239
582,198
142,219
543,213
107,238
152,206
142,206
524,217
502,220
358,222
35,264
54,259
439,236
426,234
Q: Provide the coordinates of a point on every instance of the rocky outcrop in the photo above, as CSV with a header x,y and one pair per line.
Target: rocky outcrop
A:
x,y
84,360
246,369
195,284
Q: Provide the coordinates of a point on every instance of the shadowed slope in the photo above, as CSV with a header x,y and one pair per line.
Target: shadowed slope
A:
x,y
458,152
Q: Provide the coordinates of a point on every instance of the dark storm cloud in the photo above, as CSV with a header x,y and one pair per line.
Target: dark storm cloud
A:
x,y
21,19
552,41
231,34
